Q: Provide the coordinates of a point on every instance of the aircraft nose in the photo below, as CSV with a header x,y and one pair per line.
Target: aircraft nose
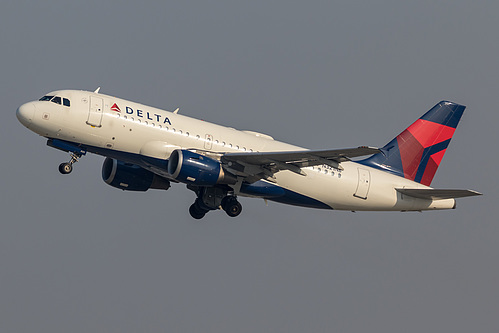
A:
x,y
25,113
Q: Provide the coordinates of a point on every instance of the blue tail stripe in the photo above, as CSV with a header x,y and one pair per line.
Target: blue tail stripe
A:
x,y
445,113
426,157
388,160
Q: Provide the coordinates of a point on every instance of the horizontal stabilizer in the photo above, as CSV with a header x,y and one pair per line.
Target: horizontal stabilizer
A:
x,y
437,194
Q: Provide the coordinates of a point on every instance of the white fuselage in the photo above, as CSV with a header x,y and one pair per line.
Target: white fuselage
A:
x,y
117,127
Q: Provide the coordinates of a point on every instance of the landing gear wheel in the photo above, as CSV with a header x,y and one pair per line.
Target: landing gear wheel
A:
x,y
232,207
196,211
65,168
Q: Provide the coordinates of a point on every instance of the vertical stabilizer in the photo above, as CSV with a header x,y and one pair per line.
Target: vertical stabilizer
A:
x,y
417,152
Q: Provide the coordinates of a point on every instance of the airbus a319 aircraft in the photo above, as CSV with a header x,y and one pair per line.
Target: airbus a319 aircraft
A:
x,y
148,148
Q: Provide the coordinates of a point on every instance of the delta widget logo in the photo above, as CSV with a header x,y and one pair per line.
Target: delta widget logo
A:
x,y
115,107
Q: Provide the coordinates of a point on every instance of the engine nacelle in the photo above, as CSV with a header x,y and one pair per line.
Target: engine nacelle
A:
x,y
131,177
193,168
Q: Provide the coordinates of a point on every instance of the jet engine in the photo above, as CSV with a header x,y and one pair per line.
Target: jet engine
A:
x,y
131,177
193,168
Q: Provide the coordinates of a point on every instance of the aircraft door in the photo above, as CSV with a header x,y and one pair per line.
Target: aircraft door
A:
x,y
363,184
95,111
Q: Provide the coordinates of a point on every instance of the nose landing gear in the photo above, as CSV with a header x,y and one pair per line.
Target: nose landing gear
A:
x,y
66,168
75,151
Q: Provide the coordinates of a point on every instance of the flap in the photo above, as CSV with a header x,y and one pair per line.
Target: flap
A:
x,y
254,166
302,158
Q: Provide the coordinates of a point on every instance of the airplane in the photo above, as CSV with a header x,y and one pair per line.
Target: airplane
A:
x,y
148,148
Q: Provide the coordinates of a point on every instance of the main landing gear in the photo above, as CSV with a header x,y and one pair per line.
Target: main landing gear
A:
x,y
198,210
213,198
231,206
66,168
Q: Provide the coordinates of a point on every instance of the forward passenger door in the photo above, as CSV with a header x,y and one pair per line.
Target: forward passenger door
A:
x,y
95,111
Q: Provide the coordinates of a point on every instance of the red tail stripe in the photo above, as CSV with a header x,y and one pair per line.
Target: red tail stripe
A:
x,y
437,157
411,153
428,133
429,173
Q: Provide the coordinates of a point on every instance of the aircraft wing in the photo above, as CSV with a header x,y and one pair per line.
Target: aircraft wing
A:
x,y
265,164
437,194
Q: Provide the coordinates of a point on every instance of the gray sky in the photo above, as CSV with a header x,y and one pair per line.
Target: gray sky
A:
x,y
79,256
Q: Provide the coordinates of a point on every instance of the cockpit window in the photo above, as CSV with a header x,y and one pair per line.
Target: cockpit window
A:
x,y
56,100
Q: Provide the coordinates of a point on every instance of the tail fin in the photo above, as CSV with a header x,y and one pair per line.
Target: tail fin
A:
x,y
417,152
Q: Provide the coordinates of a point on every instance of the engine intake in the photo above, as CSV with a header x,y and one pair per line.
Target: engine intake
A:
x,y
131,177
193,168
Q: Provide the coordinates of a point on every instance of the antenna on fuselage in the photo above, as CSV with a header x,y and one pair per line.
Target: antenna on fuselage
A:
x,y
176,110
97,90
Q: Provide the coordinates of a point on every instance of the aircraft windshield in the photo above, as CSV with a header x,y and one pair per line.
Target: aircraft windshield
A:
x,y
56,100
